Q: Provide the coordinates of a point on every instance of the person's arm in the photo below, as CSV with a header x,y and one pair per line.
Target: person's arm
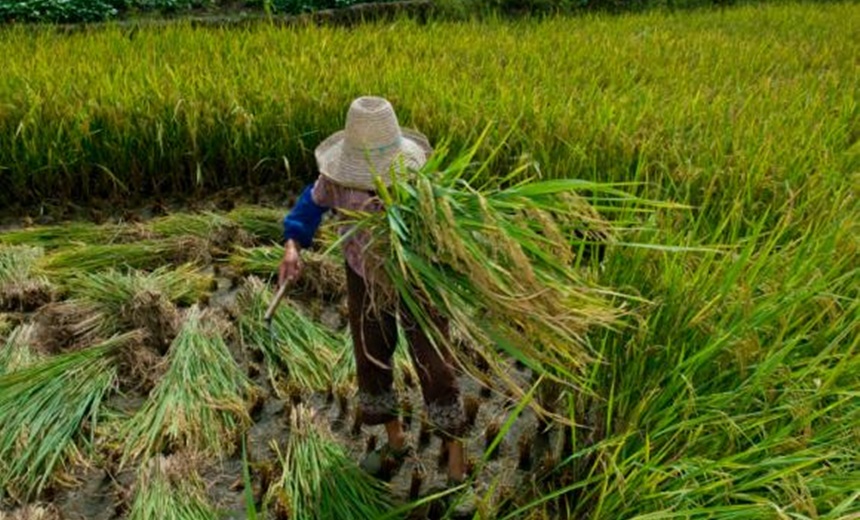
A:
x,y
304,219
300,226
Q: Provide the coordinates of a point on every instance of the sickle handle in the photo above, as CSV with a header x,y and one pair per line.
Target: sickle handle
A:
x,y
274,305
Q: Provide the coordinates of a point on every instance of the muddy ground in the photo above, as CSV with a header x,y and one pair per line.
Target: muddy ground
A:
x,y
102,493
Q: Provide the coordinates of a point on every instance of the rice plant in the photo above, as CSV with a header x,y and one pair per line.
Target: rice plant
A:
x,y
18,350
6,325
143,254
111,301
323,273
494,259
200,403
170,488
321,480
297,347
261,261
21,287
182,285
50,409
72,233
262,223
677,101
187,224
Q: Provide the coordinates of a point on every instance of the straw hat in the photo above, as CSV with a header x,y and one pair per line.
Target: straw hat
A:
x,y
371,144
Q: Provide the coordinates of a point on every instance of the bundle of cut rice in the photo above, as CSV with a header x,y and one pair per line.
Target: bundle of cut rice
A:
x,y
499,258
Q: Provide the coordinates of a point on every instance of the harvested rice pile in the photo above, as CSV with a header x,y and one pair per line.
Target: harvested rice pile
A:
x,y
153,334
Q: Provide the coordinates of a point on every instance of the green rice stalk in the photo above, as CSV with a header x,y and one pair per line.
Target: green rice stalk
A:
x,y
187,224
323,274
182,285
18,349
21,288
299,347
260,261
144,254
199,405
264,224
493,259
220,233
169,488
73,233
107,302
321,480
49,407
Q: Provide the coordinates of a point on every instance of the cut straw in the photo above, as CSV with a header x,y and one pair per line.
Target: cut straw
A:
x,y
320,479
299,353
200,403
169,488
60,398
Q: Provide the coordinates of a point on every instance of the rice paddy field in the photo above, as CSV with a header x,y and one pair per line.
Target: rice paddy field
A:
x,y
714,155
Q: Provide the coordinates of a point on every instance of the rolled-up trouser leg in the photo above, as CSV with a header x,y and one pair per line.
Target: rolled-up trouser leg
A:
x,y
374,338
435,369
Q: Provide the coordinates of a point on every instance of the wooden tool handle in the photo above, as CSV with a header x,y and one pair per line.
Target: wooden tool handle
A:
x,y
274,305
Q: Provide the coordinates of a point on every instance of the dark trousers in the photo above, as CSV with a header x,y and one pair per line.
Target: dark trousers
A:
x,y
374,337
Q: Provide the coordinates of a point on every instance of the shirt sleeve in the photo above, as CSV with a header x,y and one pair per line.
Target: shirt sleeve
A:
x,y
304,219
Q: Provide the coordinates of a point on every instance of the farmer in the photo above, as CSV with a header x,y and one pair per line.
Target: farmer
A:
x,y
374,145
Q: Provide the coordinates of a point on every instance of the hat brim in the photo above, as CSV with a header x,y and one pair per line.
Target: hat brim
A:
x,y
414,150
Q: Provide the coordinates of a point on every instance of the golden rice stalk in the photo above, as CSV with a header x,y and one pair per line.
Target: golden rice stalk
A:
x,y
199,405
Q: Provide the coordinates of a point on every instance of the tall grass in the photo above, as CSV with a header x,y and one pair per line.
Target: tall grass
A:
x,y
738,396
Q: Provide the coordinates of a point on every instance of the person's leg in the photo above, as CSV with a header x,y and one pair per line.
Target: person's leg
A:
x,y
374,338
437,376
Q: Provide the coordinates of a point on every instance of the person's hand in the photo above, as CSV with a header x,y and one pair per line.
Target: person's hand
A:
x,y
291,265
